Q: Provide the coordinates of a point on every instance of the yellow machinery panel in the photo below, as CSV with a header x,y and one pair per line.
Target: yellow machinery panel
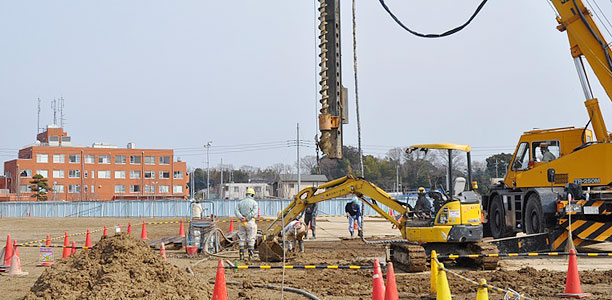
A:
x,y
435,234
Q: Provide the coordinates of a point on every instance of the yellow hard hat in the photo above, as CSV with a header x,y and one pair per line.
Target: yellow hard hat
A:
x,y
250,191
421,190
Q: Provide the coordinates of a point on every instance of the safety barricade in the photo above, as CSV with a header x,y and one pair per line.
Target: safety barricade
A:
x,y
531,254
304,267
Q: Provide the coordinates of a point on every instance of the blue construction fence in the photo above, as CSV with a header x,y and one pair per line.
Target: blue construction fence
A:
x,y
154,208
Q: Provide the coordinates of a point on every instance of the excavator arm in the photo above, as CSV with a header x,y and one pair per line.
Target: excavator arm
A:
x,y
587,41
338,188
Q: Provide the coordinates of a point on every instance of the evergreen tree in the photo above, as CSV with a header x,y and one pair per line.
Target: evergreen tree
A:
x,y
39,186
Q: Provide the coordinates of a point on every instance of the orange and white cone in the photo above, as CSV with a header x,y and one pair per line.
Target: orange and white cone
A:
x,y
105,232
162,251
391,287
182,229
573,289
143,233
129,231
48,241
15,268
378,285
8,251
220,291
88,243
231,228
66,251
73,250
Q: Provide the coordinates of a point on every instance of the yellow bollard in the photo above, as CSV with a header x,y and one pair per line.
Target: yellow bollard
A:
x,y
483,292
442,285
434,274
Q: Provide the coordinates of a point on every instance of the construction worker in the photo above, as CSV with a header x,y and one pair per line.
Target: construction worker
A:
x,y
546,154
353,213
310,219
246,211
294,234
422,204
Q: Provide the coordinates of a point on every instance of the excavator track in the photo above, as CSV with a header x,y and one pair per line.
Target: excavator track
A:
x,y
411,258
486,262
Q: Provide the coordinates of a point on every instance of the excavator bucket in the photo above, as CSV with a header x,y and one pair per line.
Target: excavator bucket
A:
x,y
270,251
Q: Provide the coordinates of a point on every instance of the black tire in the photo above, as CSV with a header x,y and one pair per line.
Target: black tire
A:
x,y
534,218
497,221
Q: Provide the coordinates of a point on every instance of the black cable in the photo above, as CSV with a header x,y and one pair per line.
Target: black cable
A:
x,y
603,45
433,35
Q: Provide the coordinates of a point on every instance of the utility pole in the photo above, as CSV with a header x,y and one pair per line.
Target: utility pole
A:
x,y
221,190
299,176
496,172
397,178
208,144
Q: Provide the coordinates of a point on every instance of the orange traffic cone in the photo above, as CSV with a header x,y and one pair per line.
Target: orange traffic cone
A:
x,y
67,249
16,263
182,230
73,250
162,251
129,228
105,232
88,243
258,213
573,289
8,251
378,290
220,291
391,287
231,229
48,241
143,233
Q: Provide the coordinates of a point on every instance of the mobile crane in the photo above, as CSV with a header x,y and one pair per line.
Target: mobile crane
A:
x,y
455,227
534,195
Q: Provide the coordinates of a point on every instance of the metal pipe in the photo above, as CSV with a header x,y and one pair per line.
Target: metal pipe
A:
x,y
584,82
469,171
450,174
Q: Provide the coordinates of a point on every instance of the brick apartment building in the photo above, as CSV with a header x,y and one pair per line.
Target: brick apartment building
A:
x,y
100,172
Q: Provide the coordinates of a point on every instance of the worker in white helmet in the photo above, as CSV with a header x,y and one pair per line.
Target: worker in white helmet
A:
x,y
246,211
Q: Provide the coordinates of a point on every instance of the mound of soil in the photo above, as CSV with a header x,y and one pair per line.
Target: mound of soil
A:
x,y
118,267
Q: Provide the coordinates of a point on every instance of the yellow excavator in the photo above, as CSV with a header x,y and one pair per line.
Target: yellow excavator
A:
x,y
454,227
552,166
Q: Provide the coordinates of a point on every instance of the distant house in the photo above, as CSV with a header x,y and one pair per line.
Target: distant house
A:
x,y
287,185
234,191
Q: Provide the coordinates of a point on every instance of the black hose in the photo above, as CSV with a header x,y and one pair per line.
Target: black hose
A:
x,y
274,287
394,241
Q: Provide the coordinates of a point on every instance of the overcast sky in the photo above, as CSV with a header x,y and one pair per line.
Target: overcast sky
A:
x,y
175,74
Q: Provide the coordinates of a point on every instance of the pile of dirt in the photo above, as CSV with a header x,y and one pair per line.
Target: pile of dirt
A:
x,y
118,267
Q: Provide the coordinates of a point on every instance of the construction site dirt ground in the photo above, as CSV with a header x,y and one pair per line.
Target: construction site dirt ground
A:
x,y
538,278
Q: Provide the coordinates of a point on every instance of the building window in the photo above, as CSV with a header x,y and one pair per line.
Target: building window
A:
x,y
59,158
85,176
90,159
164,174
42,158
74,159
291,185
149,174
120,159
74,188
93,174
104,174
257,189
74,174
177,189
164,188
134,188
120,174
104,159
236,190
24,188
149,189
164,160
43,173
25,173
178,174
58,173
135,159
58,188
134,174
149,160
93,188
119,188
